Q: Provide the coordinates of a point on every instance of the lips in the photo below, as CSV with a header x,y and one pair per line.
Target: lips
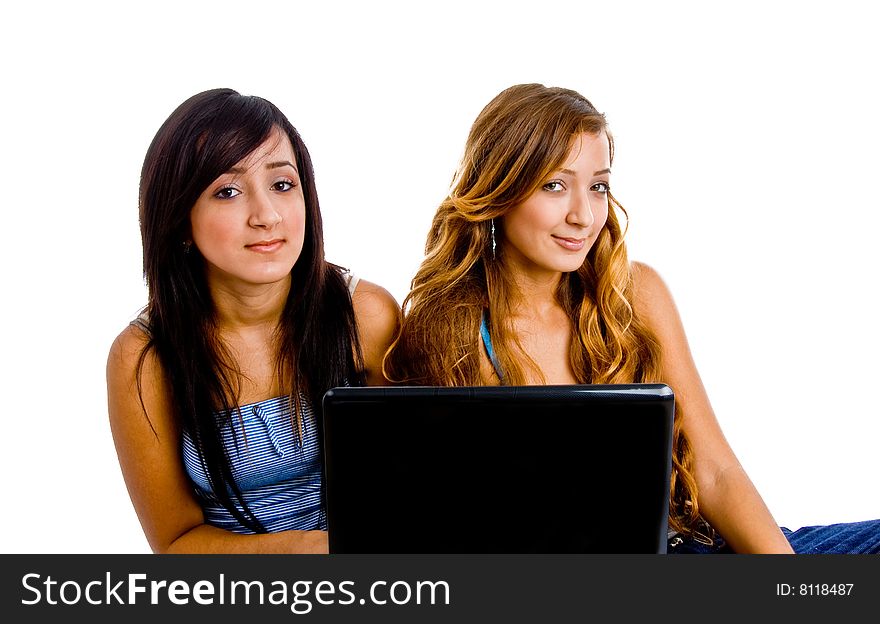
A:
x,y
571,244
266,246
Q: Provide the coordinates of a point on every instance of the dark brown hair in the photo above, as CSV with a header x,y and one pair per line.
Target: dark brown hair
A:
x,y
317,339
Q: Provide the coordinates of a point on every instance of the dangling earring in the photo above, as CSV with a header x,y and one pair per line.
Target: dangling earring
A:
x,y
492,233
186,246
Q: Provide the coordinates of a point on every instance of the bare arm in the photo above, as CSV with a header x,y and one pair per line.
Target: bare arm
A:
x,y
727,497
153,470
378,319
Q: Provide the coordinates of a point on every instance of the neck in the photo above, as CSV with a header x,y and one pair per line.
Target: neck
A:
x,y
534,299
249,306
535,293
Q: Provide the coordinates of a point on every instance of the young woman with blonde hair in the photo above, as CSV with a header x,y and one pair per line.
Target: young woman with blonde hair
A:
x,y
526,280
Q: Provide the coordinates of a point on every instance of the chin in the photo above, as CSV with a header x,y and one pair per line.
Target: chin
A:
x,y
570,268
570,265
270,276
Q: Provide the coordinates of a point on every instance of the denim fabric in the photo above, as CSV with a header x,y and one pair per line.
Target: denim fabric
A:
x,y
848,538
851,538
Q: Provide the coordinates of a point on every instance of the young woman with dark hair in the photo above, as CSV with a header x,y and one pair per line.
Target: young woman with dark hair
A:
x,y
526,280
215,390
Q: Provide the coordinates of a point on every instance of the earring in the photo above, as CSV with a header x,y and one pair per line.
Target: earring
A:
x,y
492,234
186,246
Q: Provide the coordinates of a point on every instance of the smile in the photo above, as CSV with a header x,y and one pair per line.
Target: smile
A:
x,y
571,244
266,246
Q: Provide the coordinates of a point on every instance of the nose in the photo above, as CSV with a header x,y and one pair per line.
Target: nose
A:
x,y
581,210
263,213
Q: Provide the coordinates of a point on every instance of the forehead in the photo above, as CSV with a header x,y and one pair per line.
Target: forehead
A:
x,y
276,148
588,151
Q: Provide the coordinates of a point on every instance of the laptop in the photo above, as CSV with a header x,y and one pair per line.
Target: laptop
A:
x,y
511,469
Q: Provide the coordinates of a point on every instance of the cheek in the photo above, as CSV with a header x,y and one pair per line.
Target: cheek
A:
x,y
601,215
297,224
528,221
210,232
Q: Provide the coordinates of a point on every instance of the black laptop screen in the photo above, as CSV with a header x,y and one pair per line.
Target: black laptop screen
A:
x,y
546,469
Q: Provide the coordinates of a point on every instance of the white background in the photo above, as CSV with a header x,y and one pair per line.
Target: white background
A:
x,y
747,156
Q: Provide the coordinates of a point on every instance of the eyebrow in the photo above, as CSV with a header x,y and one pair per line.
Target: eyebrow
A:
x,y
272,165
595,173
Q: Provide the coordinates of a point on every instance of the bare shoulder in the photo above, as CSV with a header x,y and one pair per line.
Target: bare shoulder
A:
x,y
126,353
647,282
651,296
378,320
135,385
127,348
653,303
375,307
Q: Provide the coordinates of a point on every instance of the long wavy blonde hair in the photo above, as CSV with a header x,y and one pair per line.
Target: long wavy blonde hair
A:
x,y
521,137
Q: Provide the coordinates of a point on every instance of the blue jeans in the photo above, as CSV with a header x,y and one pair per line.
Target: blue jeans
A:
x,y
848,538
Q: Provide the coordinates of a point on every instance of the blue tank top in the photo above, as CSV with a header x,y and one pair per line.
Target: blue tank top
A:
x,y
279,475
487,343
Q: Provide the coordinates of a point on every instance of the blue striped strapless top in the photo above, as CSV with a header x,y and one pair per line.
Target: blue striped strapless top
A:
x,y
280,478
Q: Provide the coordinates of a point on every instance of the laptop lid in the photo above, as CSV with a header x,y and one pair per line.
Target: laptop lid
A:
x,y
511,469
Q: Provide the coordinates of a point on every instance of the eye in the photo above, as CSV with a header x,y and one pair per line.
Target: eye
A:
x,y
227,192
554,187
283,186
600,187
